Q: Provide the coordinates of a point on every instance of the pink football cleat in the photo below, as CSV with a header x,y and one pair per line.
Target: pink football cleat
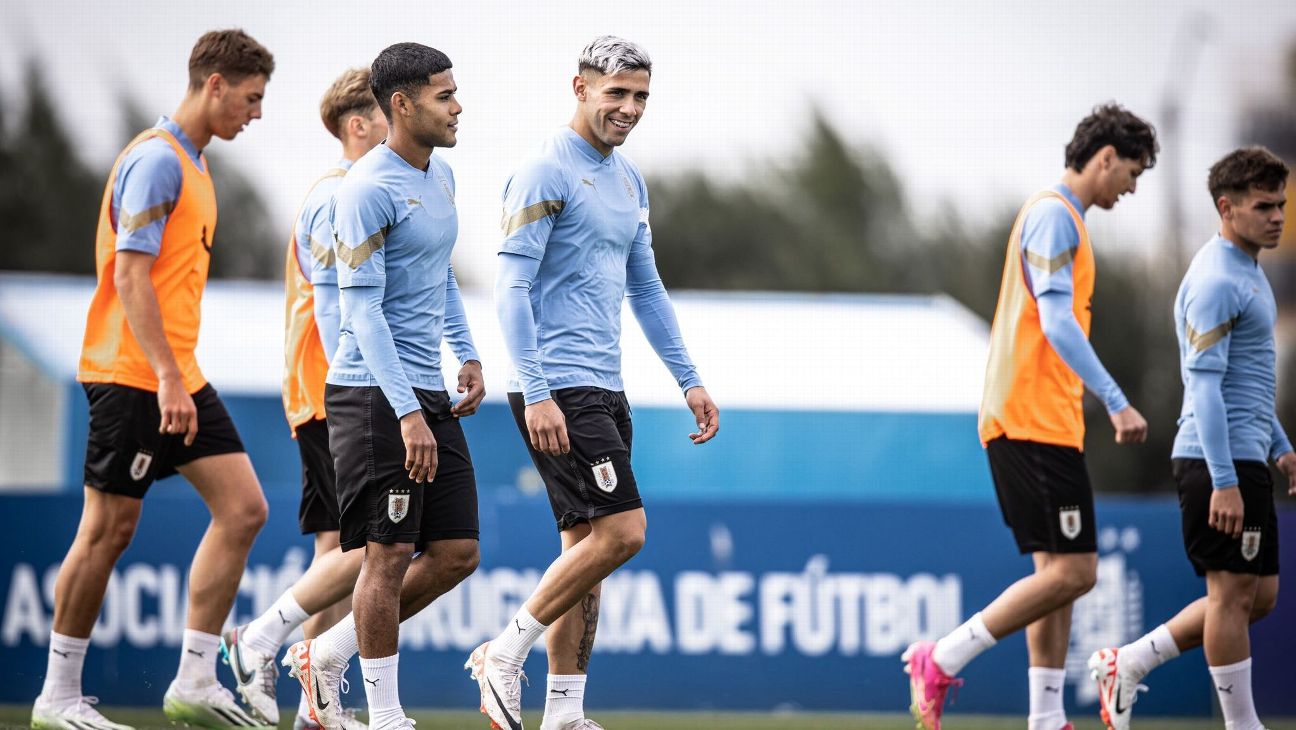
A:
x,y
928,684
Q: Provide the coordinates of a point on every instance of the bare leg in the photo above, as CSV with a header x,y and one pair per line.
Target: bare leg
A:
x,y
1230,598
107,525
377,598
1189,624
1048,637
443,565
612,541
324,587
570,638
1058,582
230,488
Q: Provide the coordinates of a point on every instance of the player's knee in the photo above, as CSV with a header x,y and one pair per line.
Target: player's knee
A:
x,y
461,563
627,542
1077,580
1263,605
244,520
115,538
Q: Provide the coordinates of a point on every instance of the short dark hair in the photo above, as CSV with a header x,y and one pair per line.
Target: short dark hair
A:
x,y
1246,168
404,67
231,53
1112,124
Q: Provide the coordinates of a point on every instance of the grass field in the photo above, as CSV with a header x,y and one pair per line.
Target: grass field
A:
x,y
15,716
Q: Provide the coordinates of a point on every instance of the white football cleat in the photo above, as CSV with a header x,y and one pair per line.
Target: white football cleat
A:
x,y
1117,690
254,672
207,705
77,713
501,689
321,680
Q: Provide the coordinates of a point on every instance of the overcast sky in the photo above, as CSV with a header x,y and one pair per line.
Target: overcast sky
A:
x,y
971,101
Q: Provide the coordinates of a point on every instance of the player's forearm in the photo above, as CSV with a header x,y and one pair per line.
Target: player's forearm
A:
x,y
1206,389
517,321
1063,332
143,314
1278,443
328,317
656,315
374,338
457,333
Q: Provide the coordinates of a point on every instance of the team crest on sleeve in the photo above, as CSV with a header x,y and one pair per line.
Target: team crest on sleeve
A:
x,y
1069,519
140,465
1250,544
605,475
398,505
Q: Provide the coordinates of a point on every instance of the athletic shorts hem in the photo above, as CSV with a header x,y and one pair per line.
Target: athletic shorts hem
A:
x,y
411,538
314,528
1067,548
573,518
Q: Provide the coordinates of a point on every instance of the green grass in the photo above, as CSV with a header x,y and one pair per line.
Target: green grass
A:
x,y
14,716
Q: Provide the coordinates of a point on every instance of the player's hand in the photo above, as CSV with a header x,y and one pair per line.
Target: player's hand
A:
x,y
547,428
420,447
705,414
1226,511
1130,426
179,414
472,386
1287,465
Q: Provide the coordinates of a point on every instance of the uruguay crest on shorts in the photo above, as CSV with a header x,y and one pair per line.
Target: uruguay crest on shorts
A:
x,y
1250,544
1069,519
140,464
397,506
605,475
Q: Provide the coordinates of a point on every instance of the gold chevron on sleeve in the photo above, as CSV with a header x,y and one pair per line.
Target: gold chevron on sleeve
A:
x,y
531,214
353,257
1205,340
1053,264
321,252
131,222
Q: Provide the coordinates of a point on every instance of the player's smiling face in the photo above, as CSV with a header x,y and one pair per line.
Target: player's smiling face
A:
x,y
610,105
237,105
434,120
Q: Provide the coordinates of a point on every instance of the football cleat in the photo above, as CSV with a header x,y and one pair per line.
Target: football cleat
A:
x,y
1117,690
501,689
254,672
928,684
207,705
321,680
77,713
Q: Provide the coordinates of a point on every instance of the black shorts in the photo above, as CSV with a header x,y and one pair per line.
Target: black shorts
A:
x,y
125,453
1256,552
319,504
1045,496
377,500
595,478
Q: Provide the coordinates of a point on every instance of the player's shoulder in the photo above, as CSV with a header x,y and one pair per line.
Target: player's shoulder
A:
x,y
545,169
153,154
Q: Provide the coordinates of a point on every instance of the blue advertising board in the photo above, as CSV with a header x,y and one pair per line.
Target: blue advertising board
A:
x,y
733,604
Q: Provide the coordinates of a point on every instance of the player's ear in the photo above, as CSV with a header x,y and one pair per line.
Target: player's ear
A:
x,y
579,87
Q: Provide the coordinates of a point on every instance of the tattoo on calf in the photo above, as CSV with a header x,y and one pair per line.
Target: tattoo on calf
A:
x,y
590,612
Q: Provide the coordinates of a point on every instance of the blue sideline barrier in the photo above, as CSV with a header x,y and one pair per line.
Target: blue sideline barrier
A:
x,y
737,605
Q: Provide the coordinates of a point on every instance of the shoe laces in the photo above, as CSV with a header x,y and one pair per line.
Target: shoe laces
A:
x,y
344,685
85,708
269,675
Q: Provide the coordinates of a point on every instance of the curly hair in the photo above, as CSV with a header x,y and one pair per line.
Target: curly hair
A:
x,y
1112,124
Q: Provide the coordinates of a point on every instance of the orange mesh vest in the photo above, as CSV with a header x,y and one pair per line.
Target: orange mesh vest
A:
x,y
1030,393
305,364
110,353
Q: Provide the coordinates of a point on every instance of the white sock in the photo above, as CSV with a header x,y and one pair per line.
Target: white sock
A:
x,y
63,670
1233,685
339,643
1046,711
197,658
959,647
517,638
267,632
303,705
564,700
381,690
1148,652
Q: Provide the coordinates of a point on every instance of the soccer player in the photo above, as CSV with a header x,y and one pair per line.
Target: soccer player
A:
x,y
1224,318
404,476
318,600
577,242
1032,424
152,413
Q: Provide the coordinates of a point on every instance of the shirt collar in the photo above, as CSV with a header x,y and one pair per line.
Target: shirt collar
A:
x,y
1242,256
1071,197
587,149
165,122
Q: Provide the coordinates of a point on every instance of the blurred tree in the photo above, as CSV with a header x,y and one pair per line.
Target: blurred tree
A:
x,y
49,199
836,220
